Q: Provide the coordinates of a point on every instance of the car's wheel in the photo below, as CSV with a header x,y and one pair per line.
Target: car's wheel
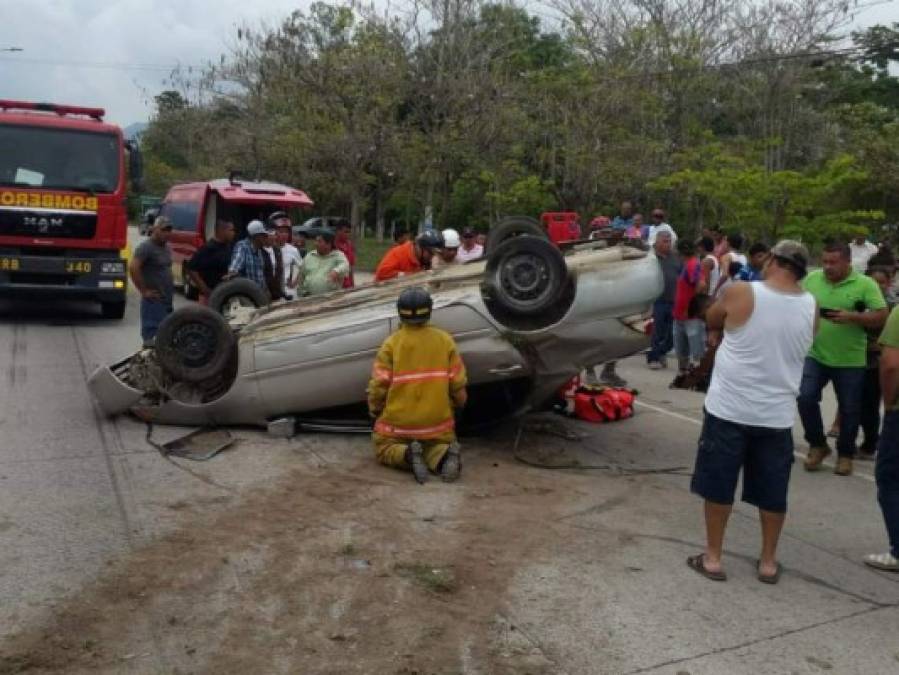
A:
x,y
194,344
525,276
514,226
113,310
230,296
191,292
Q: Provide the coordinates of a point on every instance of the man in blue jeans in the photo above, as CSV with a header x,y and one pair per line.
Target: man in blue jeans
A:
x,y
662,318
849,302
151,273
886,471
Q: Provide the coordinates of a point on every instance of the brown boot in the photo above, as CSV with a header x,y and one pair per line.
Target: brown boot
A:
x,y
844,466
816,455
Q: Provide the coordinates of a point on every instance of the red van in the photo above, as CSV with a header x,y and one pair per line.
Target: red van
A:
x,y
193,209
561,225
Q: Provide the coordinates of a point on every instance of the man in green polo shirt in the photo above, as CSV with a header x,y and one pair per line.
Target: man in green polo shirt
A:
x,y
849,302
886,471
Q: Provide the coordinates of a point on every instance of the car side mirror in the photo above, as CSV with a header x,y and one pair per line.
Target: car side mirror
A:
x,y
135,166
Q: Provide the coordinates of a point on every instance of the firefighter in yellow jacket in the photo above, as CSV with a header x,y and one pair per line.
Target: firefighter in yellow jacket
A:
x,y
417,380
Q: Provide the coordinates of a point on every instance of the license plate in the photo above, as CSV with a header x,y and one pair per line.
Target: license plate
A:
x,y
78,267
10,264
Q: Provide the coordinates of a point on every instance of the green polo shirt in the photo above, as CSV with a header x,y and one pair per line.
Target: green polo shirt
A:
x,y
842,345
890,338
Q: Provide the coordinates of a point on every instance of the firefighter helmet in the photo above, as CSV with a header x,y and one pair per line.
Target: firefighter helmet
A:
x,y
414,305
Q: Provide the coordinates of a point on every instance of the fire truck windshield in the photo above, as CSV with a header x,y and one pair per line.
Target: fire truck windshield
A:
x,y
62,159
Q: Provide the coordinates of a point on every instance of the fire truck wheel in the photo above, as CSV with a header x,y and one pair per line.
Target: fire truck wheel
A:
x,y
194,344
525,276
231,295
512,226
113,310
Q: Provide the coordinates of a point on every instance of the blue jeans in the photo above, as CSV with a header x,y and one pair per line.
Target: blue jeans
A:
x,y
689,340
152,313
848,384
662,330
886,471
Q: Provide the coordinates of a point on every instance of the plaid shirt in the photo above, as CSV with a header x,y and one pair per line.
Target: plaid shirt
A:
x,y
247,262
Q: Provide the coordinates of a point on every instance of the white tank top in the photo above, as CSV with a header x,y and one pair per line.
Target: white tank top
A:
x,y
758,366
734,257
715,274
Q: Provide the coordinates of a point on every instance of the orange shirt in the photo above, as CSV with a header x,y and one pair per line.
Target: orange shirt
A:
x,y
399,259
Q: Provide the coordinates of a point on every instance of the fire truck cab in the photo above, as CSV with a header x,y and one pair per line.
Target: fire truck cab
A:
x,y
63,221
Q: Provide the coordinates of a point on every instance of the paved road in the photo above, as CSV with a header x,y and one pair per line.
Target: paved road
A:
x,y
79,493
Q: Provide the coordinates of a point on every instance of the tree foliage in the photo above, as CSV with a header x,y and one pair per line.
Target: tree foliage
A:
x,y
759,116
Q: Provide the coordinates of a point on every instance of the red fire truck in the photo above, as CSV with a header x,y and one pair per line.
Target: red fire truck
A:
x,y
63,222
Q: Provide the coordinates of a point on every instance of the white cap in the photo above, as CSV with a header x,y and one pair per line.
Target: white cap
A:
x,y
256,227
451,238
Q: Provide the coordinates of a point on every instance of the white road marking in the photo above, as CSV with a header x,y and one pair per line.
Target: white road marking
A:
x,y
693,420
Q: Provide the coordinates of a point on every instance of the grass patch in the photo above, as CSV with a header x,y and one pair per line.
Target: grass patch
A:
x,y
431,577
369,253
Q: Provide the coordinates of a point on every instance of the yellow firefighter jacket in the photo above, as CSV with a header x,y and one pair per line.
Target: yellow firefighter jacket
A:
x,y
415,373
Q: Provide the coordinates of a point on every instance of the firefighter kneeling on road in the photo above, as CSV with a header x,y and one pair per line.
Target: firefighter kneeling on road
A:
x,y
417,380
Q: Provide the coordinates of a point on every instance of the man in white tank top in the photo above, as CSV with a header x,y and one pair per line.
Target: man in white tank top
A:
x,y
768,328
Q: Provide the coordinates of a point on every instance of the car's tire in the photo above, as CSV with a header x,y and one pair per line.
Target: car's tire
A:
x,y
242,292
513,226
113,310
525,276
191,292
194,344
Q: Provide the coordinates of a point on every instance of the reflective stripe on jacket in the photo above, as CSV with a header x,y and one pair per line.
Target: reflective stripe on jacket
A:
x,y
415,373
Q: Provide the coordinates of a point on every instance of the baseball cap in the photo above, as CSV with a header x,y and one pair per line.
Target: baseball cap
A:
x,y
163,222
256,227
792,252
451,238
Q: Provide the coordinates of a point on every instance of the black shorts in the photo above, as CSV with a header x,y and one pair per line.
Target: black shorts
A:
x,y
765,455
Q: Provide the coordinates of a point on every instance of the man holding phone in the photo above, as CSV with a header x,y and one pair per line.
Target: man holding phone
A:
x,y
849,302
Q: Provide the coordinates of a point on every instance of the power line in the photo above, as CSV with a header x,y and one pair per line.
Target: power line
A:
x,y
103,65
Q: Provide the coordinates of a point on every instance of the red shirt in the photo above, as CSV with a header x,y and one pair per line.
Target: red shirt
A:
x,y
399,259
346,247
686,288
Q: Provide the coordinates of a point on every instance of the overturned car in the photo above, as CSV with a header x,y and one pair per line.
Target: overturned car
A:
x,y
526,318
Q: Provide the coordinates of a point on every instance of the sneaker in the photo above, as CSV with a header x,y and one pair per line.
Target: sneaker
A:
x,y
843,467
452,463
882,561
866,454
417,460
655,365
816,455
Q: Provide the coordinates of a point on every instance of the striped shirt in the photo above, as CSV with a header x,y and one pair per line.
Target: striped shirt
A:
x,y
246,261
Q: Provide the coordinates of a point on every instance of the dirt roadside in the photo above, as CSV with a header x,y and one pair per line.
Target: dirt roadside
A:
x,y
345,567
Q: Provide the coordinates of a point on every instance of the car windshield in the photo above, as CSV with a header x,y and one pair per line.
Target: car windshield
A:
x,y
39,157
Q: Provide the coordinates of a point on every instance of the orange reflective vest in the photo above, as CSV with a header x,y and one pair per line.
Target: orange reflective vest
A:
x,y
399,259
415,374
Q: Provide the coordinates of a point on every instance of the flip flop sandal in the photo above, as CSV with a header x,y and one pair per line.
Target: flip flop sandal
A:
x,y
768,578
697,564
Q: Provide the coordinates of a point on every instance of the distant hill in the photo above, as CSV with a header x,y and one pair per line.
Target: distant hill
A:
x,y
134,130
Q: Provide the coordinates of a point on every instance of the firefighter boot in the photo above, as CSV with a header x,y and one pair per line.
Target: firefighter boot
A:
x,y
452,463
415,458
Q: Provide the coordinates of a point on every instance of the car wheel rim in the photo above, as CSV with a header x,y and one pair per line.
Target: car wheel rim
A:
x,y
195,344
525,278
234,304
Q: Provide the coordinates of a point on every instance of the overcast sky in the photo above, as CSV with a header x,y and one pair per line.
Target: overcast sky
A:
x,y
117,55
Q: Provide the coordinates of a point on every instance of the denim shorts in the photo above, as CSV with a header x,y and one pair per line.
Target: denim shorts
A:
x,y
765,455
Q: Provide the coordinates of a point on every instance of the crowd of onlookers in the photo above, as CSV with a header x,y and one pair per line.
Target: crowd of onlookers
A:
x,y
765,348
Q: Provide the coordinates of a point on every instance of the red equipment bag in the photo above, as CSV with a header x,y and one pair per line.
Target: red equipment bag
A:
x,y
597,404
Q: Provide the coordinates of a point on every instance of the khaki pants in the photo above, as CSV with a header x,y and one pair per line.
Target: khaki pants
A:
x,y
391,451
